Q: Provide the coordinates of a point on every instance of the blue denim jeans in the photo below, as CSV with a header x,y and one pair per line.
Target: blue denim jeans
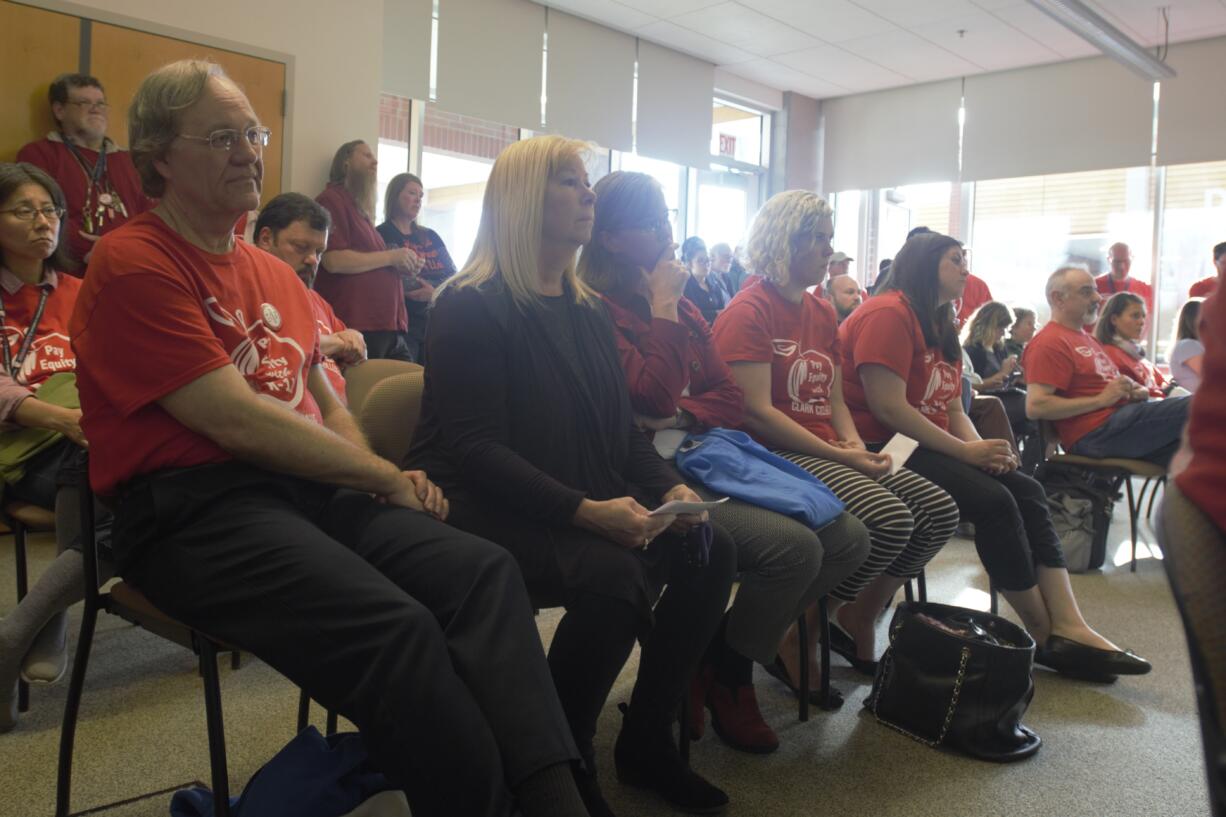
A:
x,y
1140,431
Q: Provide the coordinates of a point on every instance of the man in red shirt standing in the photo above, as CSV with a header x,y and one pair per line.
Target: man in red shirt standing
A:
x,y
295,229
249,506
1071,381
359,275
98,179
1207,286
1119,259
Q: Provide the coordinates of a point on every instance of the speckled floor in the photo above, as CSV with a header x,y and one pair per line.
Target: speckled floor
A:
x,y
1127,749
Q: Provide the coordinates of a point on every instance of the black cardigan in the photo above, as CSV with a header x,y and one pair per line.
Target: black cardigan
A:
x,y
507,419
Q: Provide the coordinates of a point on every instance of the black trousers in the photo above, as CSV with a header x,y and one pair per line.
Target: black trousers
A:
x,y
381,344
1013,529
420,634
603,620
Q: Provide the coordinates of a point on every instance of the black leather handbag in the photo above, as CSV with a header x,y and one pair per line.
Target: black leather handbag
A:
x,y
957,678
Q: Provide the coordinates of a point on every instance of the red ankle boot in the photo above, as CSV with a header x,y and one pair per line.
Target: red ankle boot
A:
x,y
735,717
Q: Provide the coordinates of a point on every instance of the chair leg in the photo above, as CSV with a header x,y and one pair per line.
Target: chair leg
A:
x,y
993,600
304,710
216,728
1134,509
1161,483
802,638
23,587
922,582
823,609
331,726
683,726
72,708
908,590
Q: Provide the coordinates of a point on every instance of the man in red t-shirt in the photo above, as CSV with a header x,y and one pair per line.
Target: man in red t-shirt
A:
x,y
1119,259
359,275
1071,381
976,295
295,229
100,184
845,294
249,506
1207,286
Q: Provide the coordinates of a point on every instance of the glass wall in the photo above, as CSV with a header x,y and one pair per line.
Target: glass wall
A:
x,y
1193,221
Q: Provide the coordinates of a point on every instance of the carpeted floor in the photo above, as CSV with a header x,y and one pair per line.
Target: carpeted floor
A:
x,y
1126,749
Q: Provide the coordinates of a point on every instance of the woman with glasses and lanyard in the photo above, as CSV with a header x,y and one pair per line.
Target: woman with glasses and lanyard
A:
x,y
98,179
40,434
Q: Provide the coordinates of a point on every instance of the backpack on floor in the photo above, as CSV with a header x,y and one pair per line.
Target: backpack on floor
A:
x,y
1081,506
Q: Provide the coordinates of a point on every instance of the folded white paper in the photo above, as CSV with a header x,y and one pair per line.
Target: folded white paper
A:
x,y
679,507
899,448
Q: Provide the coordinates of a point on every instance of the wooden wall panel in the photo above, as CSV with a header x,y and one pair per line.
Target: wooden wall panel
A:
x,y
35,47
122,57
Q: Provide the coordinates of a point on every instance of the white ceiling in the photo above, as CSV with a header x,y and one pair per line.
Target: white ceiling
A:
x,y
826,48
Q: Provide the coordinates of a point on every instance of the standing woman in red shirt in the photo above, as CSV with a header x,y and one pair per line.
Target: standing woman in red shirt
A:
x,y
679,385
782,345
901,373
36,301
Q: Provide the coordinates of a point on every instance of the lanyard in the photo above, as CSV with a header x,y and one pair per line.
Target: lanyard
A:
x,y
13,365
95,173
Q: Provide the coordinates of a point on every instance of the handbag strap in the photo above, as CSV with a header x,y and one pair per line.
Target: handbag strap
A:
x,y
949,713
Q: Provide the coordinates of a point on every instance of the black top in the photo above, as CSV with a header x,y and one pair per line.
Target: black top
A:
x,y
528,410
987,362
709,301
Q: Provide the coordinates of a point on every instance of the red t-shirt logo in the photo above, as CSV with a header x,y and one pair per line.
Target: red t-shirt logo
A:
x,y
271,364
942,386
809,382
49,354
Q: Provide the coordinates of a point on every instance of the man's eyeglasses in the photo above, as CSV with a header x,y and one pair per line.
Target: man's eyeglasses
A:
x,y
27,213
227,138
90,105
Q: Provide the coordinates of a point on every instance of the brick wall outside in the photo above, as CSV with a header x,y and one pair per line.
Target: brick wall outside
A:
x,y
465,135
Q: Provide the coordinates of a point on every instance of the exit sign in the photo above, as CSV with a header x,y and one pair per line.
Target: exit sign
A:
x,y
727,145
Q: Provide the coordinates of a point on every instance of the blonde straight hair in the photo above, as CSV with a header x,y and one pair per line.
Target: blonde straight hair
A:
x,y
509,237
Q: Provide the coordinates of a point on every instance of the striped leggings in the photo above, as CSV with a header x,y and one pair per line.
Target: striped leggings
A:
x,y
908,518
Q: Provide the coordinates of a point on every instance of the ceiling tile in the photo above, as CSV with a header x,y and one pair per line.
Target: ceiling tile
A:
x,y
833,64
910,13
830,20
1038,26
776,75
691,42
906,54
610,13
753,31
986,41
668,8
1140,19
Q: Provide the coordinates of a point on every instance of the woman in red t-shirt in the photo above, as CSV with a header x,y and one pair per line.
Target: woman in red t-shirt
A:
x,y
1119,330
782,345
37,301
901,365
678,385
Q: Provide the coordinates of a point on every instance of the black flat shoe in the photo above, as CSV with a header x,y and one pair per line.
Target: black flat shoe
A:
x,y
779,671
1089,663
646,757
845,645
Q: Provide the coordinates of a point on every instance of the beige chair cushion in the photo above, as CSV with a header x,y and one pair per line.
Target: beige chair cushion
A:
x,y
390,412
34,517
360,379
1138,468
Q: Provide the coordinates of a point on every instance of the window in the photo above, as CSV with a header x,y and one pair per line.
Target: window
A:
x,y
1193,221
847,234
738,133
393,148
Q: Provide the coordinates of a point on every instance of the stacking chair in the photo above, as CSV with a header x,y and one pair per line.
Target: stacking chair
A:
x,y
22,518
1115,469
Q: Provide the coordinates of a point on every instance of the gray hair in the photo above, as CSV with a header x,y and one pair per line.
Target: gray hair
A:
x,y
1055,282
153,119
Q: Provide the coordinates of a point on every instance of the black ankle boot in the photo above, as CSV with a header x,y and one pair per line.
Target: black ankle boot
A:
x,y
647,758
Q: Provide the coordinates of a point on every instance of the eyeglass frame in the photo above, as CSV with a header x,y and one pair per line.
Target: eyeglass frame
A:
x,y
101,105
57,211
263,131
658,227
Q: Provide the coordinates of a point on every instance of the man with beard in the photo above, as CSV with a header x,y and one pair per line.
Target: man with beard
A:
x,y
295,229
1071,381
359,275
845,294
99,182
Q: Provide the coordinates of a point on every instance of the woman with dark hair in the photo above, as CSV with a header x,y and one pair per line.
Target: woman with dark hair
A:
x,y
41,444
702,288
401,206
1187,352
527,424
679,385
901,374
781,343
1120,327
